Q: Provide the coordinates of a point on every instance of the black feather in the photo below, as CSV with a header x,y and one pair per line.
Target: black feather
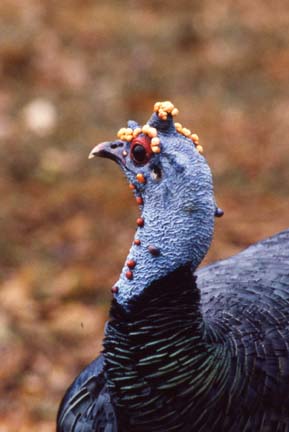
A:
x,y
186,362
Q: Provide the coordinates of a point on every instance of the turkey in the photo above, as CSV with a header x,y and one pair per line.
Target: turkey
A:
x,y
185,350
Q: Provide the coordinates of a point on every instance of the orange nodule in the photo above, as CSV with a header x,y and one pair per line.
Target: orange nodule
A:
x,y
195,138
131,186
129,274
140,178
156,149
131,263
136,132
139,200
140,222
136,242
155,141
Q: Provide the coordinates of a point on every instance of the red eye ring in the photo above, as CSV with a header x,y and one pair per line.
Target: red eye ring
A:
x,y
140,151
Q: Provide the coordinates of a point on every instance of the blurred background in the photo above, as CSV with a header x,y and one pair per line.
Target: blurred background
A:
x,y
71,74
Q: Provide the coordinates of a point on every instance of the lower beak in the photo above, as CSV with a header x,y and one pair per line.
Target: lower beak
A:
x,y
110,150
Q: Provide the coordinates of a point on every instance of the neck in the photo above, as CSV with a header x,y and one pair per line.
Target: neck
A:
x,y
157,352
177,230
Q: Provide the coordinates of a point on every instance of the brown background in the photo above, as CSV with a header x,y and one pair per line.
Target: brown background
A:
x,y
71,74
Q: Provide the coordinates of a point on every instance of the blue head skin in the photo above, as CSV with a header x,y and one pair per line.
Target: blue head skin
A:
x,y
175,193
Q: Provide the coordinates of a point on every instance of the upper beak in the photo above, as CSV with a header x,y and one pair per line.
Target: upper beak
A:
x,y
110,150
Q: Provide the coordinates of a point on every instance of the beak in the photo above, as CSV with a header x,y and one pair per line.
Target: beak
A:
x,y
113,150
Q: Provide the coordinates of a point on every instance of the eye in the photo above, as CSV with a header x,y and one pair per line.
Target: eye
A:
x,y
141,151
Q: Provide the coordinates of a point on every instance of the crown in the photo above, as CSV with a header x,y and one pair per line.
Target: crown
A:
x,y
162,119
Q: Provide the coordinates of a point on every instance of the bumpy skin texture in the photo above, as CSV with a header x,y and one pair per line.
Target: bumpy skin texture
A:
x,y
204,353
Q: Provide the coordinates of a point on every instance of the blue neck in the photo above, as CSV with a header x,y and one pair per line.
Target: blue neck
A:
x,y
178,227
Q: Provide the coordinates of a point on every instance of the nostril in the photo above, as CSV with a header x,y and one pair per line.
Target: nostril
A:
x,y
113,146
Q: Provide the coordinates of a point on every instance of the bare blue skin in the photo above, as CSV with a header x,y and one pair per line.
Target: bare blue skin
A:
x,y
178,209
